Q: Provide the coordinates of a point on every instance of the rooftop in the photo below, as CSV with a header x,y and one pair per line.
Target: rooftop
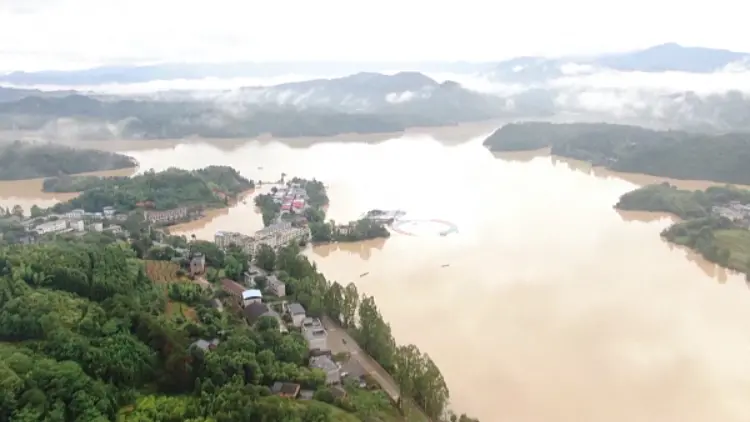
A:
x,y
318,332
254,311
232,287
296,309
323,362
285,389
205,344
251,293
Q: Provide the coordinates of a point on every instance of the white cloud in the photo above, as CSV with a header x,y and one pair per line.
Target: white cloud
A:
x,y
74,33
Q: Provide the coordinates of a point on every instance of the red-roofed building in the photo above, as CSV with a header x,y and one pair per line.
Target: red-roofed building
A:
x,y
232,287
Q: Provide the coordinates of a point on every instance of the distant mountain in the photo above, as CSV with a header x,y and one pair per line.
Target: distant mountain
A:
x,y
363,103
170,71
672,57
366,92
660,58
14,94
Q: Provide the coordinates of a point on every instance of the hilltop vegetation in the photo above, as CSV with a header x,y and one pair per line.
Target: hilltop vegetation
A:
x,y
207,187
21,160
675,154
86,335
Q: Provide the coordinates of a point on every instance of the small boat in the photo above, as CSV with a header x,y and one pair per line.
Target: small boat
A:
x,y
363,274
446,265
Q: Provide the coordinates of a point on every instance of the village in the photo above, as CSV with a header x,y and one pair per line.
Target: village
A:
x,y
735,211
261,294
256,294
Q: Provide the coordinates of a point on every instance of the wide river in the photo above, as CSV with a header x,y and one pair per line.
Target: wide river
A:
x,y
547,306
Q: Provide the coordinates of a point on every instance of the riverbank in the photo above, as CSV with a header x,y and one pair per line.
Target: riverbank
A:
x,y
209,215
633,149
586,167
713,222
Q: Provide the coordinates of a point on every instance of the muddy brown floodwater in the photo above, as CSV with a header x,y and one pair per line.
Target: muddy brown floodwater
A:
x,y
554,306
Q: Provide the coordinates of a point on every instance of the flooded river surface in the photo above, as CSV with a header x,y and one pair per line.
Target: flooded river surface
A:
x,y
547,305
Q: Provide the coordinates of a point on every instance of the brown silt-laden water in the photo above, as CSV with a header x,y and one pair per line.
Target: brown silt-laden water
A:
x,y
547,305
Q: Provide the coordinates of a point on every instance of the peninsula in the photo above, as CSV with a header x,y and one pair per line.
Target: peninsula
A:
x,y
25,160
165,197
713,222
633,149
303,202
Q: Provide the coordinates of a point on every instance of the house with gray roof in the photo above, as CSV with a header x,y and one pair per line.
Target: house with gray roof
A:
x,y
327,365
255,311
205,345
297,312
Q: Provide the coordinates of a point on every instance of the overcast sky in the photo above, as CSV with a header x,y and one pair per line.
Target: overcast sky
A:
x,y
39,34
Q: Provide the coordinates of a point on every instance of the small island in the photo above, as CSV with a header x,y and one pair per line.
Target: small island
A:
x,y
714,222
674,154
25,160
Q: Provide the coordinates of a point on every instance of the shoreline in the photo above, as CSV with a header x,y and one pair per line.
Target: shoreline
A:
x,y
651,216
641,179
208,214
451,134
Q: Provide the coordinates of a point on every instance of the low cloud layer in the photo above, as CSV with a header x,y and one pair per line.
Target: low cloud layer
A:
x,y
717,100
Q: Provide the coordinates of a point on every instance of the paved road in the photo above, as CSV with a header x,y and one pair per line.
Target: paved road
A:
x,y
335,336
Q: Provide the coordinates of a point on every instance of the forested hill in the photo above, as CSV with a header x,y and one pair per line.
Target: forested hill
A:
x,y
674,154
90,331
207,187
20,160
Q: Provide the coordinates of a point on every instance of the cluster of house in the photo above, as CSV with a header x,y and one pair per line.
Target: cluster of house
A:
x,y
292,199
79,220
734,211
315,334
276,235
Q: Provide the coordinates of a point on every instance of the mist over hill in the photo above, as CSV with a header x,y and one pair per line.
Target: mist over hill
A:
x,y
360,103
668,86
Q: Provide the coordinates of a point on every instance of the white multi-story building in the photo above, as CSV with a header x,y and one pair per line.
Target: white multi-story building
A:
x,y
77,225
52,227
278,235
76,214
224,239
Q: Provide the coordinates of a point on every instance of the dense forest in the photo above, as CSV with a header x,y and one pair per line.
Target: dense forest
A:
x,y
208,187
716,238
89,333
675,154
22,160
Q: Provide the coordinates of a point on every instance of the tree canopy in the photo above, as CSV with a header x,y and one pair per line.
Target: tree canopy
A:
x,y
86,335
675,154
207,187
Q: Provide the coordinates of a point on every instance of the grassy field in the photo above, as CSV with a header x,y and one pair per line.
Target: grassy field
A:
x,y
737,241
181,309
162,271
165,272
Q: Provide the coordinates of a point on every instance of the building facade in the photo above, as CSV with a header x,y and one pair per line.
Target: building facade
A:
x,y
298,314
166,216
52,227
